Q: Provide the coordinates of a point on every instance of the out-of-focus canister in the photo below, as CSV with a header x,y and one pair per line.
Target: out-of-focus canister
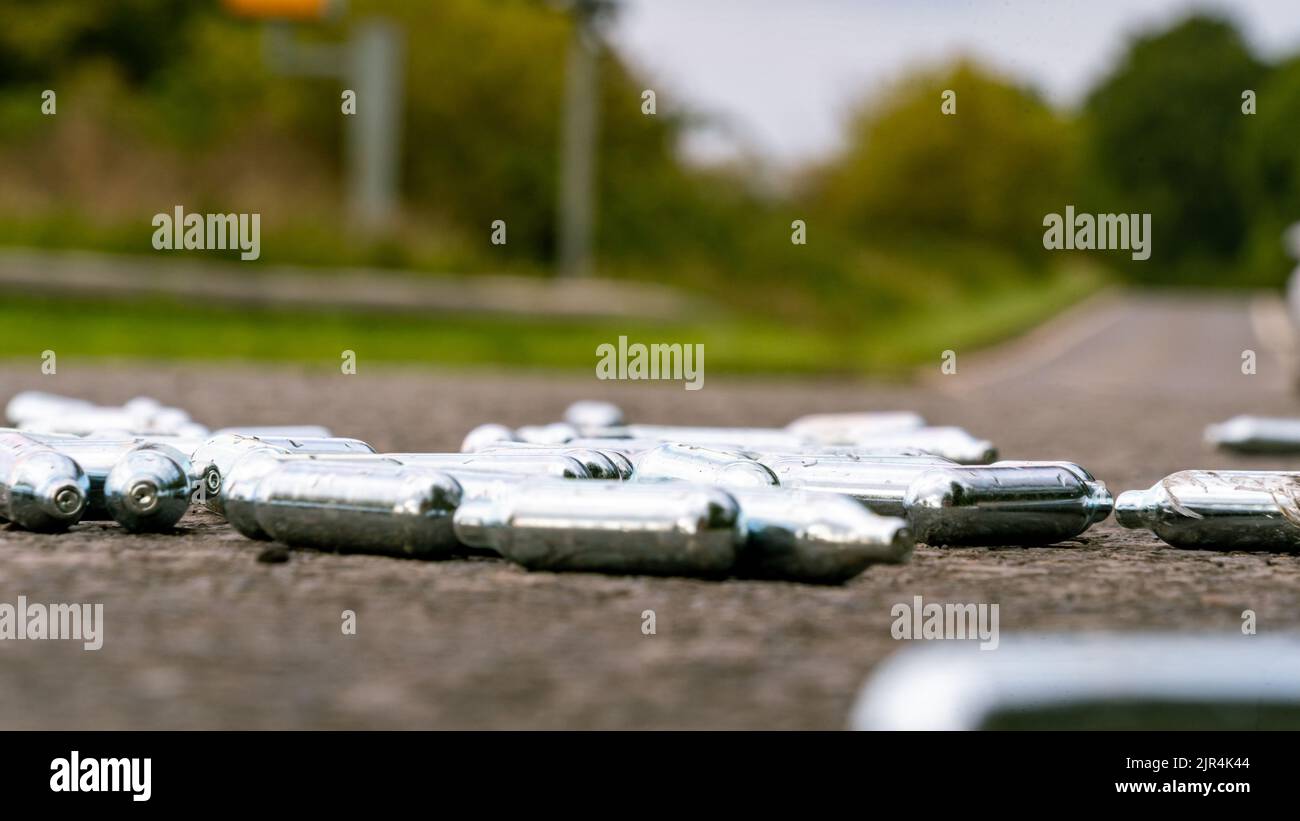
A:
x,y
849,428
590,413
1256,434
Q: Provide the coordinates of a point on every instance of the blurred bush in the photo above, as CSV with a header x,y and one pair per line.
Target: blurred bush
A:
x,y
987,173
1164,131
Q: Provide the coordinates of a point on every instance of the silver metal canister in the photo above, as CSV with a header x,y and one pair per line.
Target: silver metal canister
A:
x,y
1012,503
1218,509
149,488
822,538
291,431
533,463
1256,434
40,488
218,455
168,471
881,485
358,508
951,442
849,428
669,528
29,406
486,436
1004,505
600,464
732,438
693,463
590,413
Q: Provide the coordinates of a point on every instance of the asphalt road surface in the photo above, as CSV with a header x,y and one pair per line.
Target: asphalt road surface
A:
x,y
199,634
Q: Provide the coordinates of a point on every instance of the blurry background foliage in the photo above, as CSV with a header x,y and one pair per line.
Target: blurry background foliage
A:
x,y
920,216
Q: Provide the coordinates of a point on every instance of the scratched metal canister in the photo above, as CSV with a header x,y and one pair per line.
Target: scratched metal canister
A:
x,y
668,528
1218,509
40,489
149,488
217,456
1256,434
849,428
822,538
590,413
371,507
693,463
99,457
1024,503
600,463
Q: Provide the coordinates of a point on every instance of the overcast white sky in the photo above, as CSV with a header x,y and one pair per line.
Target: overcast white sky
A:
x,y
780,73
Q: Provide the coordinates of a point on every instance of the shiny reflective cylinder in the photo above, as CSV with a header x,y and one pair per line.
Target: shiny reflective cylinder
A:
x,y
239,491
291,431
823,538
1256,434
589,413
736,438
1009,503
881,485
185,444
668,528
218,455
160,482
1004,505
360,508
1218,510
849,428
485,436
600,464
556,433
29,406
40,488
533,463
693,463
50,413
148,489
952,443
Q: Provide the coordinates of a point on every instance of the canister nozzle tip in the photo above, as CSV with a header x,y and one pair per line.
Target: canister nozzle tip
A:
x,y
1131,509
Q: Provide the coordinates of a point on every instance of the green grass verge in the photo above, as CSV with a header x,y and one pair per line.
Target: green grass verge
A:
x,y
172,330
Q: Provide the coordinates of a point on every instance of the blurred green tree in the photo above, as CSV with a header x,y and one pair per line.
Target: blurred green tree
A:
x,y
1164,127
1270,165
41,38
988,172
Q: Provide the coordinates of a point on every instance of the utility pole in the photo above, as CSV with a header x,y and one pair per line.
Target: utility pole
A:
x,y
578,138
371,63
